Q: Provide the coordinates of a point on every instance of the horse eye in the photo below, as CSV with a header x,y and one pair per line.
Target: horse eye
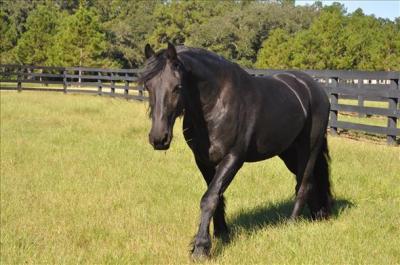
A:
x,y
176,65
177,88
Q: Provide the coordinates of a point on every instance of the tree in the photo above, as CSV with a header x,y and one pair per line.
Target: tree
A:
x,y
80,41
316,47
9,37
238,34
275,52
13,15
175,21
370,43
336,40
273,34
129,31
389,60
34,44
319,47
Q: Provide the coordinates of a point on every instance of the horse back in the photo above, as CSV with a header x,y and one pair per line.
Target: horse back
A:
x,y
283,103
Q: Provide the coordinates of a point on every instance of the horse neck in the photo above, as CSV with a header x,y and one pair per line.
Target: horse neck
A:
x,y
205,80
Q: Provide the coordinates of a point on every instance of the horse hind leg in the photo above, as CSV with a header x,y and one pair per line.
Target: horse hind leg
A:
x,y
302,182
296,158
291,160
313,186
320,198
289,157
316,189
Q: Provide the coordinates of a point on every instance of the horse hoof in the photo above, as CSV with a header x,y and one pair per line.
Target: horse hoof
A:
x,y
292,219
320,215
200,254
224,236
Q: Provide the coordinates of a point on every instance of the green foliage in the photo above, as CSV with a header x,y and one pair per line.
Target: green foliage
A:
x,y
80,41
266,34
8,36
239,33
275,53
389,49
176,20
129,30
36,42
370,44
13,15
335,41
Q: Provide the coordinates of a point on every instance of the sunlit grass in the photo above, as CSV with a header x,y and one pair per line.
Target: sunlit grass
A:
x,y
374,120
81,185
367,103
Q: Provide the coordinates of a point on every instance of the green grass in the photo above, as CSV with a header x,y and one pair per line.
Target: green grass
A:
x,y
367,103
81,185
370,120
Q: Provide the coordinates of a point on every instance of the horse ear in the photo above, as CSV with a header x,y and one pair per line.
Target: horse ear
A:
x,y
171,51
148,51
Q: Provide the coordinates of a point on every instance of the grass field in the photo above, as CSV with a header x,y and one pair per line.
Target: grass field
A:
x,y
81,185
371,120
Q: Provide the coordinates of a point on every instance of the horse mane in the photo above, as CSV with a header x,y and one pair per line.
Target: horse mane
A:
x,y
156,63
153,66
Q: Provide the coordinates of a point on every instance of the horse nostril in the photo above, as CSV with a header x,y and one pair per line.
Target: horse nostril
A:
x,y
160,142
165,138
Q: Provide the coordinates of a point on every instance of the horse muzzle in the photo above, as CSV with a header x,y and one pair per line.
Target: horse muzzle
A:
x,y
160,141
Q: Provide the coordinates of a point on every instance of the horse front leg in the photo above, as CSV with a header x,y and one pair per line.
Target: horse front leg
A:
x,y
224,174
220,226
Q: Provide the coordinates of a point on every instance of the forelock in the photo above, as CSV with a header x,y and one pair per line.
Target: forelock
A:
x,y
153,66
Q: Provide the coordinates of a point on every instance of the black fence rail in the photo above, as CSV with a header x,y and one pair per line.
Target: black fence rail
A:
x,y
110,82
356,85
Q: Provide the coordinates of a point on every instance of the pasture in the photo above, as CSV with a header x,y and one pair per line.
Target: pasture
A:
x,y
81,185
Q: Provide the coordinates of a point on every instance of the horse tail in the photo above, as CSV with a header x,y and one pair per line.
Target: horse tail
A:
x,y
321,201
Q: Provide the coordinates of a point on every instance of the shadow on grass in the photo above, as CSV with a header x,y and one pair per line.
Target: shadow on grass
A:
x,y
251,220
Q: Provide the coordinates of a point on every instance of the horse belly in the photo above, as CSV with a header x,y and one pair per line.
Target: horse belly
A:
x,y
273,140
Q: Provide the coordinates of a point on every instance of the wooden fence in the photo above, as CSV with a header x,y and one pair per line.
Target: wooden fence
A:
x,y
360,85
110,82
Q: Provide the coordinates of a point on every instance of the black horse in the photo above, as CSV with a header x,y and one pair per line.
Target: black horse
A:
x,y
231,117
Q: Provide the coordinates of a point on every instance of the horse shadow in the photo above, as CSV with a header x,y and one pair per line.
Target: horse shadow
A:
x,y
251,220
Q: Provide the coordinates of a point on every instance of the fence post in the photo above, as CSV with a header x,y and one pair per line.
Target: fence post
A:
x,y
140,89
64,72
19,74
392,121
79,76
334,96
360,98
126,89
99,85
29,76
112,85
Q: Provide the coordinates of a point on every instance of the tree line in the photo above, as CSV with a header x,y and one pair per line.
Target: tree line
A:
x,y
263,34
